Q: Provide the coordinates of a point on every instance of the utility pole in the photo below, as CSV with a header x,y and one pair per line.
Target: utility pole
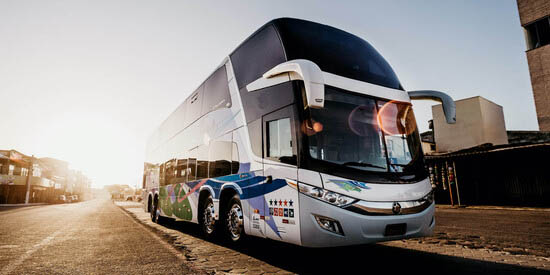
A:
x,y
29,178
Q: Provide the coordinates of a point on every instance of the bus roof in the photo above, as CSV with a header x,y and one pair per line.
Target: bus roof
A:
x,y
333,50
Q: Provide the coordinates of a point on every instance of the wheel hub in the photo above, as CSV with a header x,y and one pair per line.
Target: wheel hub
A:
x,y
235,221
208,217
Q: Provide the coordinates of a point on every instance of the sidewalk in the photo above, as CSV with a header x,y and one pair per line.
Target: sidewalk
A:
x,y
22,204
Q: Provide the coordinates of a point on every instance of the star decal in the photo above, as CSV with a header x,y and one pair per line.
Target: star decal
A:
x,y
270,202
290,202
285,203
280,202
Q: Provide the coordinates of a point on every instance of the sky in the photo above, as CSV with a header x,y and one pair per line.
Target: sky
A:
x,y
89,81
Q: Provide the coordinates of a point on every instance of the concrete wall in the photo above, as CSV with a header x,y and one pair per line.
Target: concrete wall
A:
x,y
479,121
531,10
539,69
538,60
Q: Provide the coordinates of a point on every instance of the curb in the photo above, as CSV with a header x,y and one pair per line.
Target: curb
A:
x,y
162,236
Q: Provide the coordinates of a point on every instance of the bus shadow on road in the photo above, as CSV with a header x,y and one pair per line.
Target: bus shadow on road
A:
x,y
356,259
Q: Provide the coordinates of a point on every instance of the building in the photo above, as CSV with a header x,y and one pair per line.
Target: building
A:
x,y
477,162
479,121
48,179
535,19
15,172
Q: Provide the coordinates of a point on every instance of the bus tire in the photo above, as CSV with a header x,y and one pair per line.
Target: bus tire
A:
x,y
206,218
155,212
234,220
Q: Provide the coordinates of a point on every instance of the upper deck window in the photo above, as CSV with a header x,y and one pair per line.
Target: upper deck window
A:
x,y
335,51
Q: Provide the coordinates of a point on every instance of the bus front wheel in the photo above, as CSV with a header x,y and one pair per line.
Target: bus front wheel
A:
x,y
234,222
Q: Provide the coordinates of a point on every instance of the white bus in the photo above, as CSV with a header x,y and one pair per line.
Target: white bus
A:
x,y
303,134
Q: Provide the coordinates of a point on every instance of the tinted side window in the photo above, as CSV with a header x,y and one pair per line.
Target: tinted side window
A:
x,y
264,101
255,132
181,170
234,158
259,53
161,175
194,105
220,158
216,92
192,165
170,172
202,162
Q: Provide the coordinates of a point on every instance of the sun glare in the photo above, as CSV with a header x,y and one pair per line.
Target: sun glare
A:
x,y
102,148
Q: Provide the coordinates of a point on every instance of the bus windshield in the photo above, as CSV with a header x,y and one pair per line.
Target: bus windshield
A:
x,y
363,133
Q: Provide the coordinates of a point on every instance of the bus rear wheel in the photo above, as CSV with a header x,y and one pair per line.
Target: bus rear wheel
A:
x,y
233,218
155,212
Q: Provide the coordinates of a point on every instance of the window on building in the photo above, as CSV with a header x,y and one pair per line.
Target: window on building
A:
x,y
24,172
538,33
10,172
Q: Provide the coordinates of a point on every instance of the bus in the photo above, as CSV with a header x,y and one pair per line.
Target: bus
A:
x,y
303,134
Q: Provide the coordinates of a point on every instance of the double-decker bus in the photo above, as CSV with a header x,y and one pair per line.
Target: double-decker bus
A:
x,y
303,134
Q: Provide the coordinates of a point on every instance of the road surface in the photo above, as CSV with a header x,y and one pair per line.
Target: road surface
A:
x,y
81,238
99,237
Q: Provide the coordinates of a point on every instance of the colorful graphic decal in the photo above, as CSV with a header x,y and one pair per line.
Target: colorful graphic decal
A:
x,y
281,208
350,185
174,201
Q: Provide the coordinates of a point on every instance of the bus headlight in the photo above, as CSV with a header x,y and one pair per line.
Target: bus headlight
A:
x,y
325,195
429,198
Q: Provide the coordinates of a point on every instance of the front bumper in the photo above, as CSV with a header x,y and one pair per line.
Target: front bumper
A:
x,y
357,228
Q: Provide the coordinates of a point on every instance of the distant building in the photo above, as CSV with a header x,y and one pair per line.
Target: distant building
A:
x,y
528,137
50,178
478,121
14,173
427,139
535,19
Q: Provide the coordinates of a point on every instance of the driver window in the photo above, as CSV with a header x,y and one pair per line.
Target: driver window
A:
x,y
279,141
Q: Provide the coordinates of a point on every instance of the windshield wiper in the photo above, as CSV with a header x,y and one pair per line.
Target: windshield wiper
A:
x,y
361,164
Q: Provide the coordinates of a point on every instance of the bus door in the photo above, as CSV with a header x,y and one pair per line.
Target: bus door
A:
x,y
280,170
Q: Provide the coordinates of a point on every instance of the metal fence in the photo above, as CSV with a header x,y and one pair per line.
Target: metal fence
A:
x,y
502,176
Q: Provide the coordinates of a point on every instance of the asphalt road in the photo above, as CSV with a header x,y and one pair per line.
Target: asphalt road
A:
x,y
93,237
515,231
97,237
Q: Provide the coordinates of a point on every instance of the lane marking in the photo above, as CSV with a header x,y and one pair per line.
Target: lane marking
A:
x,y
13,265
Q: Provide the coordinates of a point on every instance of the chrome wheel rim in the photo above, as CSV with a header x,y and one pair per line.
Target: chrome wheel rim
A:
x,y
235,221
208,218
155,213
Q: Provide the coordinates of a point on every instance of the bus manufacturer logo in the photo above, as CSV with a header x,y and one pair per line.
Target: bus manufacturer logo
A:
x,y
396,208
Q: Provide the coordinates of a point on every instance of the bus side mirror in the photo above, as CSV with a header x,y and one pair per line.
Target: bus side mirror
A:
x,y
297,69
449,107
